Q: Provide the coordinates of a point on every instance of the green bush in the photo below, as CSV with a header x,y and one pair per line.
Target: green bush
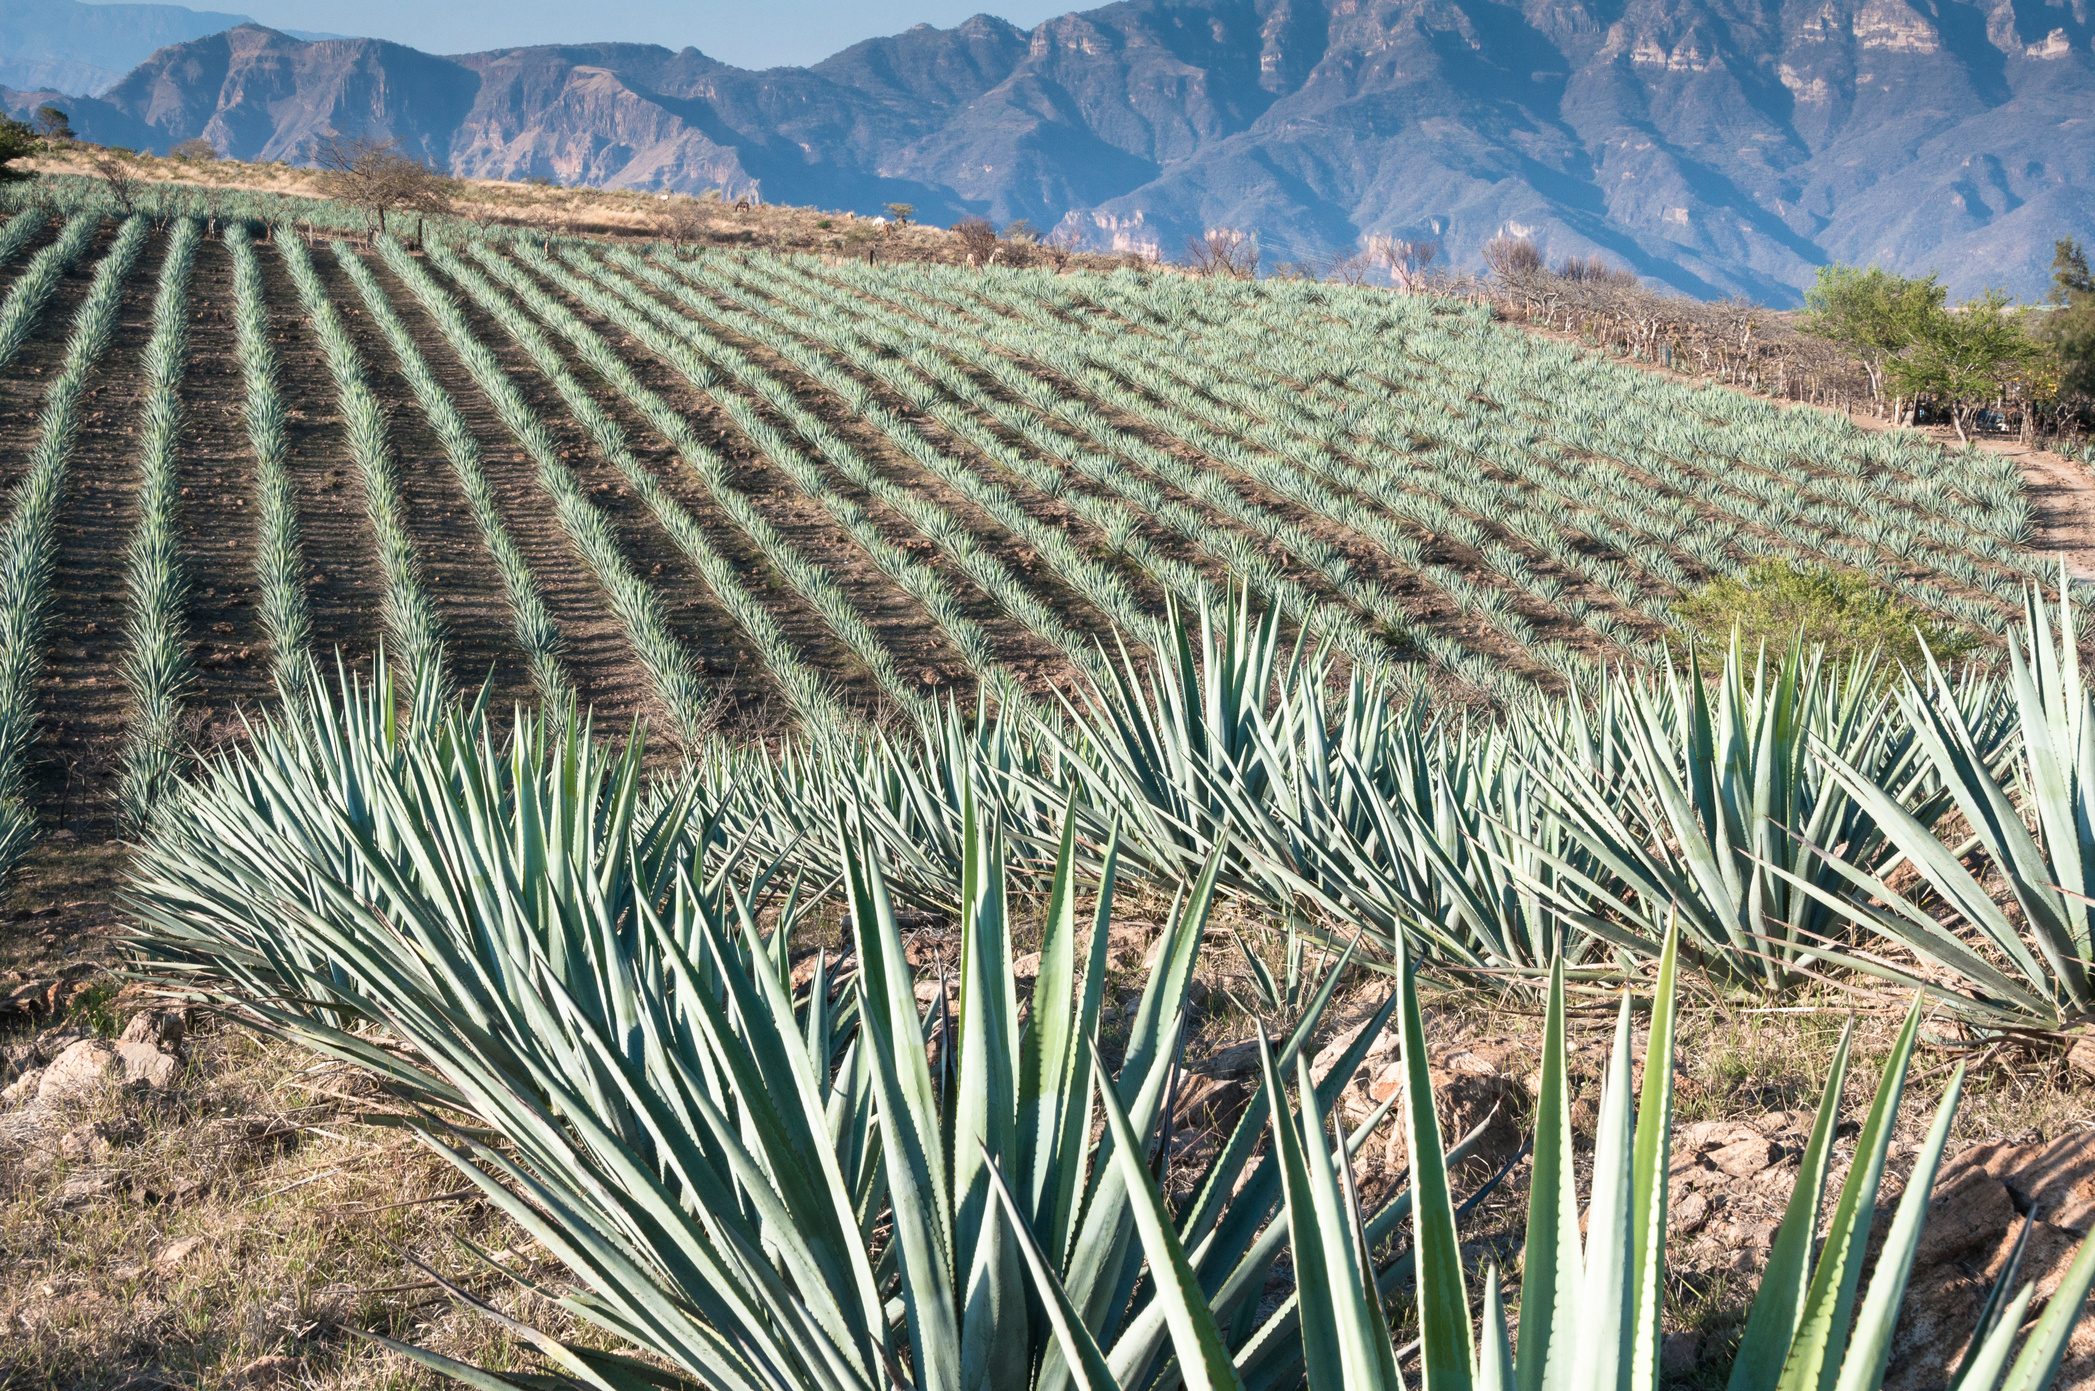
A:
x,y
1841,610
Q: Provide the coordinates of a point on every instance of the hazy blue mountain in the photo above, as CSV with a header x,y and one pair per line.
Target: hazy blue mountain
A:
x,y
66,46
1718,146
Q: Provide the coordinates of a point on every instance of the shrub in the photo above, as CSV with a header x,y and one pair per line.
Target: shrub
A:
x,y
1776,601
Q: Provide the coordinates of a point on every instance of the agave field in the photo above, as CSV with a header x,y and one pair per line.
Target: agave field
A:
x,y
861,595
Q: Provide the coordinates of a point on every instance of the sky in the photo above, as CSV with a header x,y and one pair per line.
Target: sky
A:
x,y
752,33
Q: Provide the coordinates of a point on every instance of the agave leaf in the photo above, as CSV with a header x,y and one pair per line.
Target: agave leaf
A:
x,y
1445,1341
1605,1339
1652,1161
1552,1269
1080,1352
1779,1307
2046,1348
1494,1347
1323,1353
910,1124
1985,1361
1366,1357
1868,1353
1203,1361
1813,1360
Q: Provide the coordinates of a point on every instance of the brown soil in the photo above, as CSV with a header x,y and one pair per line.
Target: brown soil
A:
x,y
455,568
219,514
609,679
344,587
82,694
887,457
892,614
916,640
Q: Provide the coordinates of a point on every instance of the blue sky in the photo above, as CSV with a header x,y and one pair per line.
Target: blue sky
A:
x,y
750,34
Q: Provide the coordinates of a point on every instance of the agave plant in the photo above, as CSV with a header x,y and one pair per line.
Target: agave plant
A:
x,y
2027,970
1702,810
753,1180
1592,1292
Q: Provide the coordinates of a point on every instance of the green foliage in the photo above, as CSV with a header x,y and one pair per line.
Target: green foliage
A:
x,y
17,141
1777,603
1968,356
1874,313
760,1176
1592,1292
2069,329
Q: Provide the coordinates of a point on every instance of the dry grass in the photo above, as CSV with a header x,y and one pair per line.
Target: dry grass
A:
x,y
233,1231
573,211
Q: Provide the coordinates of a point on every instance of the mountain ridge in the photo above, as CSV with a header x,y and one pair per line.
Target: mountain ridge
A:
x,y
1717,146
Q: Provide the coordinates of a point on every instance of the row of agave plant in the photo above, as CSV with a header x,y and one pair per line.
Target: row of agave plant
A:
x,y
760,1172
1768,807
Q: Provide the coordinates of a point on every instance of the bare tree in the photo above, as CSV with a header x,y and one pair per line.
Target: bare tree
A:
x,y
120,177
379,177
1349,270
195,149
978,239
684,222
1594,270
1223,251
1409,261
1511,258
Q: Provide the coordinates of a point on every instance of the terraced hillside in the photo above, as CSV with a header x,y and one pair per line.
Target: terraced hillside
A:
x,y
739,495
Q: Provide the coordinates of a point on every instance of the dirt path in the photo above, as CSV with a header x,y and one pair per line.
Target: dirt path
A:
x,y
217,517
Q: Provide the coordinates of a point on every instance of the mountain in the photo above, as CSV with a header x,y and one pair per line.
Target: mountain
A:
x,y
1718,146
64,46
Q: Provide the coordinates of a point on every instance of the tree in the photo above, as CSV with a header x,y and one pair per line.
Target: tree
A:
x,y
52,124
683,222
901,213
1874,313
1966,356
1512,258
115,170
978,239
2069,329
17,141
1223,251
379,177
196,149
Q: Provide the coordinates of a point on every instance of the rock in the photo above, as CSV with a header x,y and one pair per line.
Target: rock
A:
x,y
1976,1211
1689,1215
1680,1353
23,1088
96,1141
1237,1060
1211,1103
1468,1088
2082,1054
144,1063
268,1371
78,1071
1745,1158
175,1252
162,1028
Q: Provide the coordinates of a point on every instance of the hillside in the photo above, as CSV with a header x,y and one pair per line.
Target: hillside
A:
x,y
69,47
1717,150
1373,570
